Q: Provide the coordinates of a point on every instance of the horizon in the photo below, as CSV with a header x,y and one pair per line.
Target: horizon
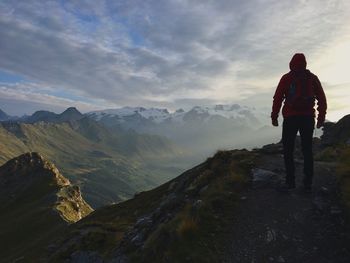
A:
x,y
106,55
118,108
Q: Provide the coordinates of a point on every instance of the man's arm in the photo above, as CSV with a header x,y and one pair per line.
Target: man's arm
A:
x,y
277,102
321,102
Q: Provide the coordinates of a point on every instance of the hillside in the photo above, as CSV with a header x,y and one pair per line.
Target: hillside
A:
x,y
227,209
110,166
36,202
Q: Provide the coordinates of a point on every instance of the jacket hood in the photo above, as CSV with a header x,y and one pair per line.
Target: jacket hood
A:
x,y
298,62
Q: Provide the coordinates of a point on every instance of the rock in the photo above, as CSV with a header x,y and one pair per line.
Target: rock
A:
x,y
335,210
172,186
170,202
197,204
137,240
320,204
280,259
262,178
144,221
285,237
85,257
270,235
324,190
272,148
203,189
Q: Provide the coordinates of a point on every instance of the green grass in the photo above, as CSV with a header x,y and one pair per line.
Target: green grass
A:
x,y
200,234
194,234
343,173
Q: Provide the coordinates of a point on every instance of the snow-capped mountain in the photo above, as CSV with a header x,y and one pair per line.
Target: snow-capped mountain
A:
x,y
122,114
240,115
202,129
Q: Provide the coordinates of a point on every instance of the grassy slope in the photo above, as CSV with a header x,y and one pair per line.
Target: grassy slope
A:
x,y
28,226
343,172
34,198
193,232
339,154
90,156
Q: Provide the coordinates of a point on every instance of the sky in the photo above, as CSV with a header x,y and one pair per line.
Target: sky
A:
x,y
167,53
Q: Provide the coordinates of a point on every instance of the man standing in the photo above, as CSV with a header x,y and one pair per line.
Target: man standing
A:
x,y
299,88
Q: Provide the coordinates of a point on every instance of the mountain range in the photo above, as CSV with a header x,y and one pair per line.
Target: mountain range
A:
x,y
140,118
226,209
201,129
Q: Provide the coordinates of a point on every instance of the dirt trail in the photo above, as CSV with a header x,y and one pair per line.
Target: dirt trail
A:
x,y
273,226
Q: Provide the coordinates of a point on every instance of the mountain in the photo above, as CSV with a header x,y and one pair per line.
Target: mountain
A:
x,y
36,202
138,117
109,166
4,116
203,130
70,114
226,209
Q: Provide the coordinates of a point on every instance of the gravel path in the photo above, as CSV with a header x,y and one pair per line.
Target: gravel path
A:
x,y
272,226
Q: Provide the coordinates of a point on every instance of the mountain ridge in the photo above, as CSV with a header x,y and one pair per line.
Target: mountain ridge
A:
x,y
35,200
159,115
70,114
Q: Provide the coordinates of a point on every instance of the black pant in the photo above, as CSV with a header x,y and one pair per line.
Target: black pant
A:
x,y
305,126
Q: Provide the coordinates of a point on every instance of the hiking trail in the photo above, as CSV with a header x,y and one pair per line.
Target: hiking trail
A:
x,y
274,226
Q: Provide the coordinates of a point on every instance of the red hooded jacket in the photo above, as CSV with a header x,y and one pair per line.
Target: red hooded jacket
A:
x,y
298,66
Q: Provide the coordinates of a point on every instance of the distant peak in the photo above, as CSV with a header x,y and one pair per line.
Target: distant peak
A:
x,y
72,109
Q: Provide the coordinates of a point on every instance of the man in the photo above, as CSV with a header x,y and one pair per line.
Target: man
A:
x,y
299,88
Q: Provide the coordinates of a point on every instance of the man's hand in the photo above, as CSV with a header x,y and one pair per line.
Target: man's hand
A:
x,y
320,124
275,122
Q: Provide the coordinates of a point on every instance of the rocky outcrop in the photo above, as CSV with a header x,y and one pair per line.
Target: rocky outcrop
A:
x,y
30,173
37,203
337,133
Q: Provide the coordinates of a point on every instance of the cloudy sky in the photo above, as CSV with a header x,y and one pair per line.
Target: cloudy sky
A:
x,y
167,53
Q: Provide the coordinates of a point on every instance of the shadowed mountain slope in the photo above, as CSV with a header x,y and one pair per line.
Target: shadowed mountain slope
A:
x,y
36,202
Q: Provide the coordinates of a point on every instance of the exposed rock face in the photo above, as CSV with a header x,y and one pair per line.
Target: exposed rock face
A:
x,y
30,173
339,132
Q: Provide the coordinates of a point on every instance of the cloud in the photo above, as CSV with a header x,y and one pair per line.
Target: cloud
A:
x,y
164,52
18,99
